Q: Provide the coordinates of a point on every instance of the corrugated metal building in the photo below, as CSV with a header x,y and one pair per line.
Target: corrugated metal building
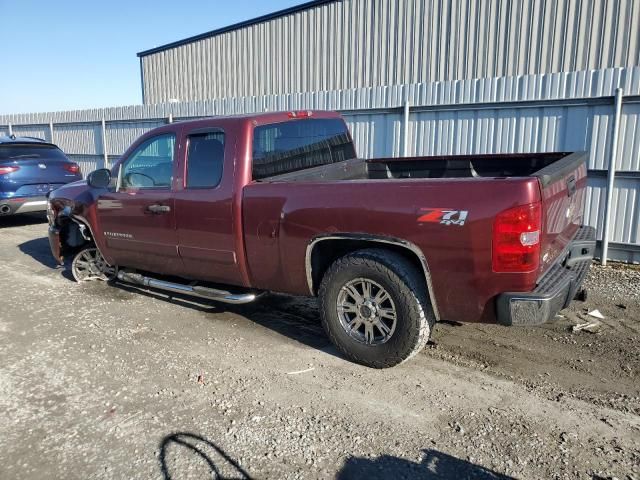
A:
x,y
343,44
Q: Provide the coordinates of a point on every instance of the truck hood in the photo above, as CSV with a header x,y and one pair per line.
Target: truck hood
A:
x,y
77,192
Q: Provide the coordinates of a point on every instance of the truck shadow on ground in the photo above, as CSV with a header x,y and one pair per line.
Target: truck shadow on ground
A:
x,y
293,317
39,250
435,465
179,450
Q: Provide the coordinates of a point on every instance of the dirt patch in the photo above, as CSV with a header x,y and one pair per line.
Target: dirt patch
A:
x,y
601,367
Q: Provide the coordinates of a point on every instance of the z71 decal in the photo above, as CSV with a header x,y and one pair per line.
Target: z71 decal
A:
x,y
444,216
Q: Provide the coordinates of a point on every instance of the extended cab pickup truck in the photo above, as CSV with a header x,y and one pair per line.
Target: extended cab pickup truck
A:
x,y
228,208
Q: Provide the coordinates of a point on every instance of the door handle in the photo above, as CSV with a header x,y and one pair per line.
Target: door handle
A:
x,y
159,208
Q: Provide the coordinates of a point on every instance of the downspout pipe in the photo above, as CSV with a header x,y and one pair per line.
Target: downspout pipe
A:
x,y
105,149
405,132
611,175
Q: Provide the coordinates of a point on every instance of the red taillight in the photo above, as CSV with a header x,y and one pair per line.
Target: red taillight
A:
x,y
516,239
300,114
72,167
7,170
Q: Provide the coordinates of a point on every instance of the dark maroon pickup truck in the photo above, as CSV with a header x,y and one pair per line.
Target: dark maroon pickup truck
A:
x,y
229,208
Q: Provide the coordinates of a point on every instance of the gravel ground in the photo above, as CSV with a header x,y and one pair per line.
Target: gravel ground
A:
x,y
100,381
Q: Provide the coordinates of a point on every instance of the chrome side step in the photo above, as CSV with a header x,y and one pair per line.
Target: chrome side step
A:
x,y
196,291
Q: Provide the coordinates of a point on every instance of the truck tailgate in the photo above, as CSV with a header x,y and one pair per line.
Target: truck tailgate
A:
x,y
563,186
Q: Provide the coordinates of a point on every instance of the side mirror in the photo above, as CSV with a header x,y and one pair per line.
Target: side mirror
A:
x,y
99,178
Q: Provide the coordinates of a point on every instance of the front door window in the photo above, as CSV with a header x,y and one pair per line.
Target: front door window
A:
x,y
150,166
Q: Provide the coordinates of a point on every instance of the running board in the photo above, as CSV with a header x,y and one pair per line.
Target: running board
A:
x,y
196,291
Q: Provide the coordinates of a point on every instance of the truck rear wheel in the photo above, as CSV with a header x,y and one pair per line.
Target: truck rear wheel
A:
x,y
374,308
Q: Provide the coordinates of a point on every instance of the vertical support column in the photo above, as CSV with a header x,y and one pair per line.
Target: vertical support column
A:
x,y
170,119
10,129
611,175
51,132
105,150
405,131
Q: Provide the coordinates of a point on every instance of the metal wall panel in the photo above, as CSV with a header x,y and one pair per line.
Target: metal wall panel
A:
x,y
122,134
362,43
38,131
528,88
563,111
506,130
629,140
376,135
625,209
78,138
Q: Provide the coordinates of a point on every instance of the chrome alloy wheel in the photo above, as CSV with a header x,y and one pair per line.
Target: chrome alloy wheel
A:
x,y
88,264
366,311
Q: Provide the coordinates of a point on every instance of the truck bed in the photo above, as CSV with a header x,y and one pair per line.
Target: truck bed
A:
x,y
386,197
450,166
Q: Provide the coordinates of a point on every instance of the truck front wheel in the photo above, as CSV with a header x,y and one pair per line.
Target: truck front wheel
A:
x,y
374,307
88,264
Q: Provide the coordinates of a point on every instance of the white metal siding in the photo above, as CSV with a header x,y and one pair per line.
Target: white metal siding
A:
x,y
360,43
38,131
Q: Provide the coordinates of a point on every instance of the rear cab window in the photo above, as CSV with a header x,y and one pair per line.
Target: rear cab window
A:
x,y
205,159
299,144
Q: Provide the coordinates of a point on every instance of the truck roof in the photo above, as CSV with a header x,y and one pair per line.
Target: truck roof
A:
x,y
265,117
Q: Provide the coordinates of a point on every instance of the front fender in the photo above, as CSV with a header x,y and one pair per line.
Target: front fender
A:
x,y
75,202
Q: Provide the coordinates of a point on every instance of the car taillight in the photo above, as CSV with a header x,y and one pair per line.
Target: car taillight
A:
x,y
6,170
516,239
72,167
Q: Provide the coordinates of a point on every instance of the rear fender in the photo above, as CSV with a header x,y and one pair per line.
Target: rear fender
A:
x,y
367,241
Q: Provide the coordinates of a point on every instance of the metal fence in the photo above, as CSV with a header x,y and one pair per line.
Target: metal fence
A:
x,y
531,113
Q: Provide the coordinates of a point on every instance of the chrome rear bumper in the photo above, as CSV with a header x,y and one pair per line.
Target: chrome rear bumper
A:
x,y
555,290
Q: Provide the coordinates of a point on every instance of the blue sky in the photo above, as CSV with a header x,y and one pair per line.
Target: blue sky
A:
x,y
70,54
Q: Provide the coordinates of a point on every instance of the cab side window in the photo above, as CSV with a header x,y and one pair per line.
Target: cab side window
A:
x,y
150,165
205,160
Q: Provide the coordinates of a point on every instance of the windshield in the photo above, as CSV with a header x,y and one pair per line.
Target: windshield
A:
x,y
17,152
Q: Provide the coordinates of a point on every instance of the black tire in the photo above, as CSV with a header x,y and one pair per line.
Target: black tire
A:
x,y
406,287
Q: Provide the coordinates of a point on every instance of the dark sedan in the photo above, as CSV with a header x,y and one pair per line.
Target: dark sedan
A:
x,y
30,168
